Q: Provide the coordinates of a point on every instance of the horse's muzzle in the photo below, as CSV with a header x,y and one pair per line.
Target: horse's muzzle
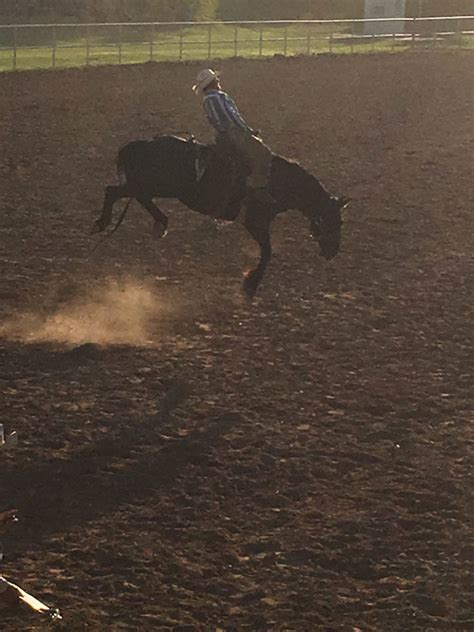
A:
x,y
97,227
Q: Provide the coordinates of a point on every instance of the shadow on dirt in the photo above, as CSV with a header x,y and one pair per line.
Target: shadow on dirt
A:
x,y
132,460
58,495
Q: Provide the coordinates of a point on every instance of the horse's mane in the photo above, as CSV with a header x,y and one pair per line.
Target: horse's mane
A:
x,y
296,173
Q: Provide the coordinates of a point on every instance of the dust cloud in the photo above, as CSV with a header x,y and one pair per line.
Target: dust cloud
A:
x,y
124,312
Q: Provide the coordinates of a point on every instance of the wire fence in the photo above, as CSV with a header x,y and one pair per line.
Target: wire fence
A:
x,y
26,46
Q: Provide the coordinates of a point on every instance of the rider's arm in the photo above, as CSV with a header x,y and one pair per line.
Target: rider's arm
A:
x,y
223,114
234,114
214,113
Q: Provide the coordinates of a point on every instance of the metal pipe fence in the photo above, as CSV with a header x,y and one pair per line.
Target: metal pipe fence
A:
x,y
60,45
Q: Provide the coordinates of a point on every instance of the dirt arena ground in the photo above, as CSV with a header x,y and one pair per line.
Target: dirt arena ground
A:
x,y
189,462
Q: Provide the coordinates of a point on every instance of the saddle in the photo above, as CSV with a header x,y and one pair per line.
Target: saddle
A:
x,y
200,156
220,178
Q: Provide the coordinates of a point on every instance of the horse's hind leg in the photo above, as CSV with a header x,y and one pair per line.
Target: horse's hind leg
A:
x,y
112,195
257,222
160,228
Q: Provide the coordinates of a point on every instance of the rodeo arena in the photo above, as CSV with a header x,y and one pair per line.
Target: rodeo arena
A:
x,y
235,315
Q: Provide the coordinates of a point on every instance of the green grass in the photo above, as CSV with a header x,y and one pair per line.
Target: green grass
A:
x,y
75,49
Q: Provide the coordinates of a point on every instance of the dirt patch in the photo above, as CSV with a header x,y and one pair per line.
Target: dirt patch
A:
x,y
298,464
115,313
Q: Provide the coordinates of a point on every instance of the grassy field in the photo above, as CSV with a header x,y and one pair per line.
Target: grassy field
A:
x,y
36,48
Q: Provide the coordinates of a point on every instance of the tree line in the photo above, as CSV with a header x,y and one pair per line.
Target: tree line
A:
x,y
184,10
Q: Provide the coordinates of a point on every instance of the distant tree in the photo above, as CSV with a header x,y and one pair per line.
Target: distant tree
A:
x,y
439,7
261,10
176,10
327,9
204,9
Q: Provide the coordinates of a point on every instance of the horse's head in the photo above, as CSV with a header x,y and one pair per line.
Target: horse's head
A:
x,y
326,225
322,209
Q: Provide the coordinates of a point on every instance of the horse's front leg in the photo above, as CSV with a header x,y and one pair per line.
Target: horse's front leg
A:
x,y
160,227
258,222
112,195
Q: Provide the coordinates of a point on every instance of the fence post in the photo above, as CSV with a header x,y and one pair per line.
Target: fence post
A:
x,y
331,36
88,46
285,45
15,47
181,47
152,37
352,37
236,40
458,22
308,40
120,45
55,42
413,35
209,42
260,43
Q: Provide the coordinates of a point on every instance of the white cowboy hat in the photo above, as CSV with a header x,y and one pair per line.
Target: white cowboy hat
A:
x,y
204,78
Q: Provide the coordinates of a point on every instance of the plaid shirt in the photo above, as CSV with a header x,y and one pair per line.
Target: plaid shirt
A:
x,y
222,112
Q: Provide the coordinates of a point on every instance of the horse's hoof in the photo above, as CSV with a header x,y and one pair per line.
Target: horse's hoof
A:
x,y
159,231
97,228
249,290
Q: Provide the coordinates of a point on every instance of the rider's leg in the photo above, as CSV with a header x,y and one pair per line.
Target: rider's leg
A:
x,y
224,151
258,157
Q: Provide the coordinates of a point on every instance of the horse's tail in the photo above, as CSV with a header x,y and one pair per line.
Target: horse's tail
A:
x,y
131,160
122,178
120,165
123,173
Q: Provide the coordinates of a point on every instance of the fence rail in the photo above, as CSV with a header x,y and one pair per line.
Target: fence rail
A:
x,y
59,45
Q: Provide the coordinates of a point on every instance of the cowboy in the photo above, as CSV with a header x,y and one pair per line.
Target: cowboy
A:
x,y
233,131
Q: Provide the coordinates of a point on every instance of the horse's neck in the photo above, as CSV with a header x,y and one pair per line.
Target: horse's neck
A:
x,y
299,188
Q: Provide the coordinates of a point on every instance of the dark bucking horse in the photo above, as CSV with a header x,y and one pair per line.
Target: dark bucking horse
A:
x,y
173,167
